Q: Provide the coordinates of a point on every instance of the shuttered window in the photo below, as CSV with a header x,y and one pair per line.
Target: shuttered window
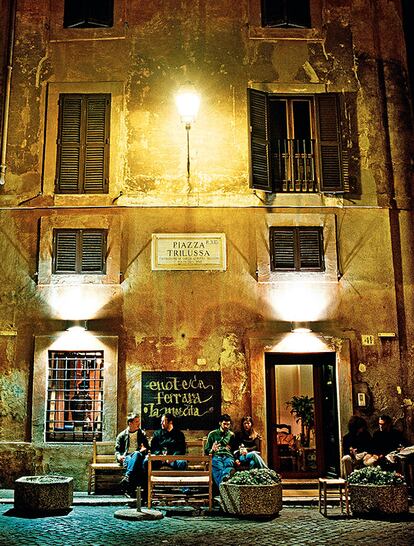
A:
x,y
77,251
296,143
83,144
296,249
286,13
88,14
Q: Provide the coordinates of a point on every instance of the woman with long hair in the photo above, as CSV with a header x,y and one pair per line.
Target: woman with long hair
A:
x,y
248,445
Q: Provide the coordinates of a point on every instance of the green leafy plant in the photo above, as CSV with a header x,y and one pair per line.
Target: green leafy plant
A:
x,y
302,407
374,475
256,476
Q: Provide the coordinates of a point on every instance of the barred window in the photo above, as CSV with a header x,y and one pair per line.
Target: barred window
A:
x,y
79,251
74,396
296,249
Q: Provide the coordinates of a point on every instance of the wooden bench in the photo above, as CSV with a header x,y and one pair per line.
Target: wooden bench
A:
x,y
104,464
169,484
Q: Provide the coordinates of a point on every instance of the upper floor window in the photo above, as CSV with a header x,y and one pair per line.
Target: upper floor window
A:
x,y
286,13
296,249
74,405
79,251
83,143
296,143
88,14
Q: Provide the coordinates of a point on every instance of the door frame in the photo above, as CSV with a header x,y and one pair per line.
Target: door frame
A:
x,y
267,338
317,361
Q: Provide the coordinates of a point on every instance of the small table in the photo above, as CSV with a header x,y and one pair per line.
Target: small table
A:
x,y
336,486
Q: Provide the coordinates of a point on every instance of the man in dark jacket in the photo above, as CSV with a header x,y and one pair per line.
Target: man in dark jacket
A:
x,y
169,440
131,447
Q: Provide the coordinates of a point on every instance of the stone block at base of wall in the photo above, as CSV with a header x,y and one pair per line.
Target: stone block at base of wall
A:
x,y
43,494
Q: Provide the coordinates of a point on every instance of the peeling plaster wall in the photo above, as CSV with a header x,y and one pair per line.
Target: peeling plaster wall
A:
x,y
178,320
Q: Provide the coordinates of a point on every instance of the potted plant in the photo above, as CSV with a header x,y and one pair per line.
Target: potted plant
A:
x,y
256,492
302,407
376,491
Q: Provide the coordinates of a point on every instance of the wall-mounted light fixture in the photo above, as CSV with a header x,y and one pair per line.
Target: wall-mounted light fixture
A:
x,y
188,102
76,325
301,328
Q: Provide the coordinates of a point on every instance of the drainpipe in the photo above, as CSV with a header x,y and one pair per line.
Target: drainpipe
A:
x,y
6,102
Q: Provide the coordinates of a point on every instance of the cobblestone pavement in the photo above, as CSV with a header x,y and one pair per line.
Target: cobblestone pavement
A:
x,y
96,526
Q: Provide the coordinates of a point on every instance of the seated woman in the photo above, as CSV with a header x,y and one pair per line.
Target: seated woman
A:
x,y
248,443
356,445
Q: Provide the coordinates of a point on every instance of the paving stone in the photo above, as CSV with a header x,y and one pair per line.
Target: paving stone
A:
x,y
97,526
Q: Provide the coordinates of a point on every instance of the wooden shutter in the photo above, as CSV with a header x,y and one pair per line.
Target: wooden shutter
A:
x,y
332,168
96,144
310,249
83,144
69,144
296,249
65,251
93,251
282,248
260,172
79,251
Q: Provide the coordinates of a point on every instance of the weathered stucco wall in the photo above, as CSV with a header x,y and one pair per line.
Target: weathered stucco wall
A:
x,y
178,320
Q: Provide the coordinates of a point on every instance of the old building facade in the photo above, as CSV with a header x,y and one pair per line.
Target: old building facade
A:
x,y
193,267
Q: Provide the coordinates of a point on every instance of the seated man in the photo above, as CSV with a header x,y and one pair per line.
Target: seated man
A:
x,y
356,444
221,444
130,450
168,440
386,442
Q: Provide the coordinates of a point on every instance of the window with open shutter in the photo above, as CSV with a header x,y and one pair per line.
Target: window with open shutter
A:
x,y
296,143
79,251
88,14
83,144
286,13
296,249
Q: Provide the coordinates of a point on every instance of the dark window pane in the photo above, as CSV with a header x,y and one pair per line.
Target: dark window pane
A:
x,y
278,119
88,13
301,119
286,13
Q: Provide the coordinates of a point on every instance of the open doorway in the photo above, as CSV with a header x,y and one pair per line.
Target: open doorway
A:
x,y
302,414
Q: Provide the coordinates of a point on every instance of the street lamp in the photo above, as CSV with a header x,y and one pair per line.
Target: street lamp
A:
x,y
188,102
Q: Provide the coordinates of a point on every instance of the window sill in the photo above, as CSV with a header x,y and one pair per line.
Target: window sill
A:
x,y
271,33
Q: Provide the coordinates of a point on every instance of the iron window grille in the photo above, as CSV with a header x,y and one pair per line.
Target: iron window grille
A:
x,y
286,13
296,249
297,144
74,409
83,144
88,14
79,251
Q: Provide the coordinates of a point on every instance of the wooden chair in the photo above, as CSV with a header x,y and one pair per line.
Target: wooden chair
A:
x,y
195,484
285,456
104,464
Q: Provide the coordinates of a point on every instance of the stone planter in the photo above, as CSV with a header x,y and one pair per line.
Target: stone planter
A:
x,y
43,493
251,500
378,499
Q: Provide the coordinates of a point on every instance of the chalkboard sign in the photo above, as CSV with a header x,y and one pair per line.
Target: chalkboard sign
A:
x,y
193,398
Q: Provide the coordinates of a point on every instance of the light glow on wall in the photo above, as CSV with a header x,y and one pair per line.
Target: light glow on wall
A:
x,y
77,302
300,302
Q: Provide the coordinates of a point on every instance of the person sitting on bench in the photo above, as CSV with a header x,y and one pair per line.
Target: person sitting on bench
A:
x,y
248,442
221,444
168,440
131,448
